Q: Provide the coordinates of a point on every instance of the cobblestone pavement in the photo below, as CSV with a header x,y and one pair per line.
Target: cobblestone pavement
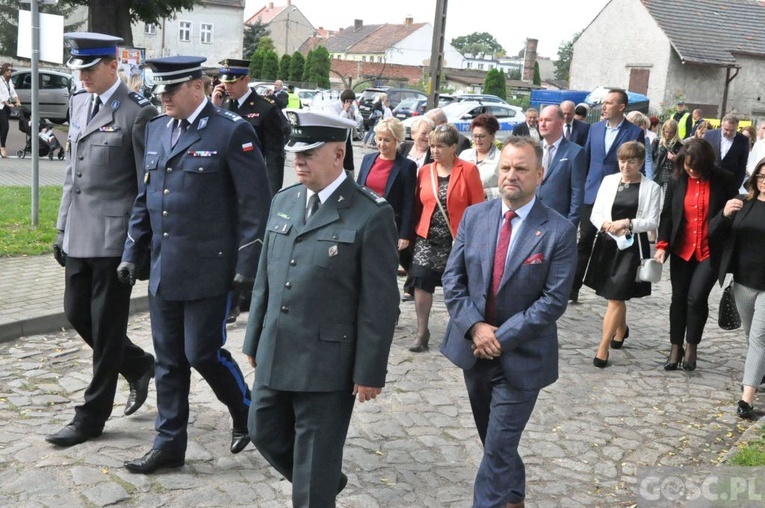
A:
x,y
415,446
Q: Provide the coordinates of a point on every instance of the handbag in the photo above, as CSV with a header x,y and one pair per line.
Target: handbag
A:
x,y
728,317
649,269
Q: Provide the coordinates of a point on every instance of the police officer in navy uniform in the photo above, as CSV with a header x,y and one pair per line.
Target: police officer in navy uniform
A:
x,y
104,165
202,209
261,112
323,311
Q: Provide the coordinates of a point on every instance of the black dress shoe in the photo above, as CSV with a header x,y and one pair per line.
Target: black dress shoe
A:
x,y
600,363
744,409
617,344
74,433
139,390
343,482
154,460
673,365
574,296
239,440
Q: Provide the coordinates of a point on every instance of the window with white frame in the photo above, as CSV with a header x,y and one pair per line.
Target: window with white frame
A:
x,y
150,29
206,33
184,31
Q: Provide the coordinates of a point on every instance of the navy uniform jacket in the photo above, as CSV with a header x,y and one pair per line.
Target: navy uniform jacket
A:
x,y
266,117
202,207
325,299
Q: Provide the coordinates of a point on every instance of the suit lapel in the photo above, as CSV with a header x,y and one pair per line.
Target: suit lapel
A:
x,y
393,174
105,115
191,135
329,212
556,158
528,237
490,222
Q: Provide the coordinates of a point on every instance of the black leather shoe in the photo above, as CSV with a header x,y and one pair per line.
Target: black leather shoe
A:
x,y
600,363
139,390
154,460
343,482
744,409
574,296
673,365
239,440
73,434
617,344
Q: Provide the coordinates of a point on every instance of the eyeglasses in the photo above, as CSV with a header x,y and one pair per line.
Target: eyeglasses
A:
x,y
759,178
479,136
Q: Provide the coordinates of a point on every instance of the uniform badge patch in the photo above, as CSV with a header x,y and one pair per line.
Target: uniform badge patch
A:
x,y
247,147
115,104
202,123
202,153
332,251
253,115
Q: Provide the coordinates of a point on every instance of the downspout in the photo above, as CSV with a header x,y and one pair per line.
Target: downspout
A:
x,y
728,79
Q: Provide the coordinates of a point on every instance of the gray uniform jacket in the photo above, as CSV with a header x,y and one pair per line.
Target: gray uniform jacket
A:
x,y
325,300
104,166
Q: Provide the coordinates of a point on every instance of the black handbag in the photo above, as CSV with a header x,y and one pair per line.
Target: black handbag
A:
x,y
728,318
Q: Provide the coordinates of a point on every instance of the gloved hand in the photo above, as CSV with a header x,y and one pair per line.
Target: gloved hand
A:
x,y
242,282
126,273
58,249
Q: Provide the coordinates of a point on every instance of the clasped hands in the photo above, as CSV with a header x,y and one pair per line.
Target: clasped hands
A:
x,y
618,228
485,344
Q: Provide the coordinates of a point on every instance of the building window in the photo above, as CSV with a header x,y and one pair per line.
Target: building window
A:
x,y
379,59
150,29
480,66
469,65
206,33
184,31
363,58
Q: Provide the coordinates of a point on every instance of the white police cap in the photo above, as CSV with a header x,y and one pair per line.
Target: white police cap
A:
x,y
311,130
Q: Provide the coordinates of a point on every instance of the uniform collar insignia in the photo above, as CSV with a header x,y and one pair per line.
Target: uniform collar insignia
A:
x,y
283,215
115,104
202,123
340,199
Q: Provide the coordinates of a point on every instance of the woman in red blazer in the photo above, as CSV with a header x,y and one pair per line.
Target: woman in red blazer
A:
x,y
445,189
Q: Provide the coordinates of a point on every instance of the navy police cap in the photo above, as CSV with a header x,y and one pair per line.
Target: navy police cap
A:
x,y
88,48
311,130
233,69
172,71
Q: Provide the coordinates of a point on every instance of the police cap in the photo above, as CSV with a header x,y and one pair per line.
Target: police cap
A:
x,y
172,71
88,48
233,69
311,130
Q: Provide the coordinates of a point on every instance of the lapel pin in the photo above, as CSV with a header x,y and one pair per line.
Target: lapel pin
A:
x,y
333,251
538,233
202,123
340,199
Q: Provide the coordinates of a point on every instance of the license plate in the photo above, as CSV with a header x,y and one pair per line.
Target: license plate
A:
x,y
401,115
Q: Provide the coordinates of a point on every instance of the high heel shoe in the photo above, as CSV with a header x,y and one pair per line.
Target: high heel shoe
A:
x,y
600,363
744,409
689,365
3,153
617,344
673,365
421,344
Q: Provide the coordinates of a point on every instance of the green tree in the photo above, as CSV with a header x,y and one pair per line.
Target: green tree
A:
x,y
477,42
270,65
257,61
320,66
307,67
296,66
252,35
495,83
116,16
565,53
256,64
9,23
537,76
284,68
514,74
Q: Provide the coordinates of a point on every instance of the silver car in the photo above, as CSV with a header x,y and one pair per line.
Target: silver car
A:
x,y
54,92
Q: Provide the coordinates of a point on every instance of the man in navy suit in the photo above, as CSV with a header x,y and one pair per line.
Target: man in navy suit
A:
x,y
603,142
529,127
562,187
505,285
574,130
731,147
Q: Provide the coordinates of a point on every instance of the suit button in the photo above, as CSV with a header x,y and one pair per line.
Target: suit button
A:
x,y
79,174
298,239
77,191
220,254
166,235
201,169
164,213
288,285
293,262
285,309
334,237
81,157
166,191
169,170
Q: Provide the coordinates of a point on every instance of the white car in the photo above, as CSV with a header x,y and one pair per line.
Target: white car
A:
x,y
462,113
53,93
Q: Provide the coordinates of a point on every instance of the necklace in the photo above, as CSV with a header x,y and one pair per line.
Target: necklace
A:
x,y
623,186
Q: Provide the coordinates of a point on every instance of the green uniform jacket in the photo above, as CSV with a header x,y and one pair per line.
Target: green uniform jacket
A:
x,y
325,300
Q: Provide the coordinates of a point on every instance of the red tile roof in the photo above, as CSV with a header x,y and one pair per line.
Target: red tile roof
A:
x,y
266,14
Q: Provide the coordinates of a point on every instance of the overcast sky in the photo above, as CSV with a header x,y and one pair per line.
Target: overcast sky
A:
x,y
510,22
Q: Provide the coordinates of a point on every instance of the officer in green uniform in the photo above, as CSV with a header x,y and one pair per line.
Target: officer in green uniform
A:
x,y
323,311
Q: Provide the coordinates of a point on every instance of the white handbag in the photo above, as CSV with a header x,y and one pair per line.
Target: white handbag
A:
x,y
649,269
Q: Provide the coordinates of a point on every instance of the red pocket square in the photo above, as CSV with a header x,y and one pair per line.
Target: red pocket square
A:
x,y
535,259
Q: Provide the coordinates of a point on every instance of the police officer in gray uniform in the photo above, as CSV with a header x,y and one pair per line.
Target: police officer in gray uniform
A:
x,y
323,311
104,158
203,210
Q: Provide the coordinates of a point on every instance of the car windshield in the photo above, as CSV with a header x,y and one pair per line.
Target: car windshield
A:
x,y
369,95
408,103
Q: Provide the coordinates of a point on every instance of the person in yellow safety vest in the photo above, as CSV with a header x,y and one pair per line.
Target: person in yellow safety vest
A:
x,y
684,121
293,99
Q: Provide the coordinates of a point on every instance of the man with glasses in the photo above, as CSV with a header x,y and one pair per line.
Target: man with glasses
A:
x,y
202,210
104,167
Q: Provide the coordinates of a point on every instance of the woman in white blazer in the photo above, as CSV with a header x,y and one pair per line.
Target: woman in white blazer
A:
x,y
627,206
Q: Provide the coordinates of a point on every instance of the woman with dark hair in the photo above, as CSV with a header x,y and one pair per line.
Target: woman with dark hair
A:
x,y
7,95
751,135
445,189
484,153
740,226
697,191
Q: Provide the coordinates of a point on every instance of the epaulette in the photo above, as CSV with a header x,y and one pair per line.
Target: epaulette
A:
x,y
372,195
78,92
159,116
267,99
288,188
230,115
139,99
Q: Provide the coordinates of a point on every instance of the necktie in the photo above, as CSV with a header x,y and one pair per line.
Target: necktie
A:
x,y
568,131
179,128
235,106
313,206
96,108
548,156
500,255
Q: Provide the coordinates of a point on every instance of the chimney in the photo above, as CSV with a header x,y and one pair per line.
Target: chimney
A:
x,y
289,3
271,5
530,58
357,24
408,21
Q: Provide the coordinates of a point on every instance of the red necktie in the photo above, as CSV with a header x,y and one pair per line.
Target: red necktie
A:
x,y
500,255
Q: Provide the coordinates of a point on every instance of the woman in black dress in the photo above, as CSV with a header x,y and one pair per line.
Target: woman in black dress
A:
x,y
627,205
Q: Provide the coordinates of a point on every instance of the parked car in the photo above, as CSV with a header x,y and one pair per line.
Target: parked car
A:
x,y
306,97
395,96
445,99
54,92
413,106
462,113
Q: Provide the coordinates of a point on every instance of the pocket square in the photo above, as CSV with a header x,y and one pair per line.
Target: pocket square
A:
x,y
564,159
535,259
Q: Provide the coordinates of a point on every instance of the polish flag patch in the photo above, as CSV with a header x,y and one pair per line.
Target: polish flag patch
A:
x,y
247,147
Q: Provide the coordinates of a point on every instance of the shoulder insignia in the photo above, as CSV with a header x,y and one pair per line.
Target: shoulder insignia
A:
x,y
268,100
230,115
78,92
139,99
158,117
372,194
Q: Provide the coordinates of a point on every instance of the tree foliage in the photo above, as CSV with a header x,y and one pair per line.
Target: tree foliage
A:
x,y
9,22
252,35
495,83
115,17
264,63
565,53
307,67
537,76
515,74
284,68
320,66
296,66
477,42
270,66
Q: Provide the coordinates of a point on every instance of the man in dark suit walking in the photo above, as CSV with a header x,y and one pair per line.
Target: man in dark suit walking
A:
x,y
574,130
603,142
323,312
203,210
505,286
731,147
529,127
562,187
104,165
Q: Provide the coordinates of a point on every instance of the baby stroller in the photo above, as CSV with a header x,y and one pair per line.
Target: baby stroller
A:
x,y
48,141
